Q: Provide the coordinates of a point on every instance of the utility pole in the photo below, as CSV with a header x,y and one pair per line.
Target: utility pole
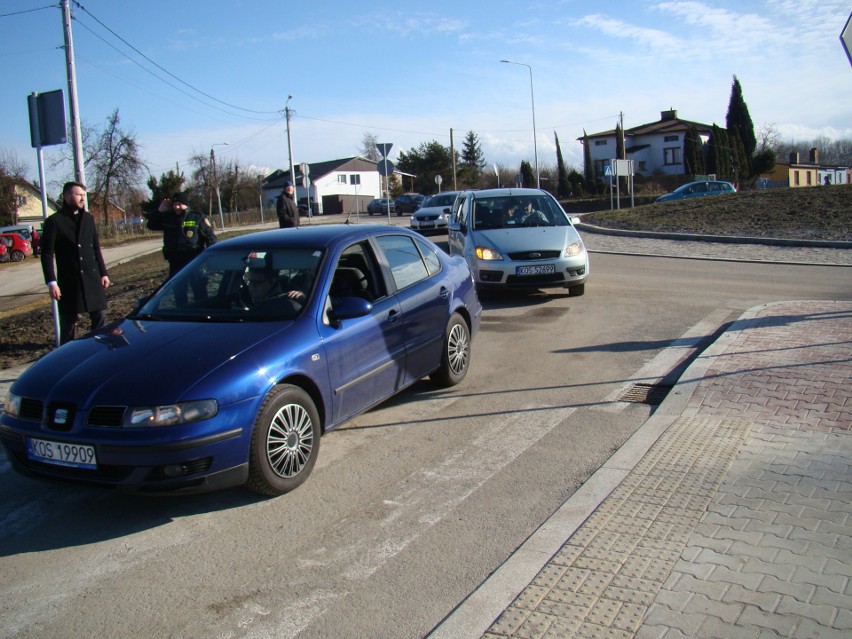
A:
x,y
290,148
76,134
453,158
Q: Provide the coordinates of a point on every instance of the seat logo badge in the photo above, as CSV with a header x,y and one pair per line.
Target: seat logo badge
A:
x,y
60,416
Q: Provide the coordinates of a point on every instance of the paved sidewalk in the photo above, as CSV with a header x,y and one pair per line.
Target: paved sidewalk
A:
x,y
727,514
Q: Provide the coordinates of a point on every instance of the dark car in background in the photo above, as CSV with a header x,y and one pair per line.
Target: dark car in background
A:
x,y
408,203
379,206
232,371
698,189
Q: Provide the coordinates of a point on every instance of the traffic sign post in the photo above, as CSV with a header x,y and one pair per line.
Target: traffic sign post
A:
x,y
385,168
47,128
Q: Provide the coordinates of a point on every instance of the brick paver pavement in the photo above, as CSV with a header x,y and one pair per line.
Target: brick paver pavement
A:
x,y
736,523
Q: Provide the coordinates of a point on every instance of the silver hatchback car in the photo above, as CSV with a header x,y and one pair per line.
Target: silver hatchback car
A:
x,y
518,238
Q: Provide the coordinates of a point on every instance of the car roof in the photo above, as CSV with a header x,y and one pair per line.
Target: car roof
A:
x,y
518,192
320,236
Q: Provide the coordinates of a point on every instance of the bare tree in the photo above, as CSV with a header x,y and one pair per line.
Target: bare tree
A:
x,y
369,147
113,164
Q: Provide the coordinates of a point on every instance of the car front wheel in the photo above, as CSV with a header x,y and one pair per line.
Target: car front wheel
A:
x,y
285,441
455,358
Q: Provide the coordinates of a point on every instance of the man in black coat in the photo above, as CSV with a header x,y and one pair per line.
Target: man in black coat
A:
x,y
288,211
79,281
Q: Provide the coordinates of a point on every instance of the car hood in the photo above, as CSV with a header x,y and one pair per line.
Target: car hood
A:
x,y
430,210
147,362
536,238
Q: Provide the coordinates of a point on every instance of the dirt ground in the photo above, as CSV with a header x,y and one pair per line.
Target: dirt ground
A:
x,y
815,213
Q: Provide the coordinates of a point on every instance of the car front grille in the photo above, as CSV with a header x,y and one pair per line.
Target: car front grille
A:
x,y
107,416
32,409
525,256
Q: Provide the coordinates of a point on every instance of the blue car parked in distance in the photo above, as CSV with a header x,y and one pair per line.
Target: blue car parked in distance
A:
x,y
698,189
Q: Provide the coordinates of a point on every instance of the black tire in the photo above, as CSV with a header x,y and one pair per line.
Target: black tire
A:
x,y
576,291
285,441
455,357
18,256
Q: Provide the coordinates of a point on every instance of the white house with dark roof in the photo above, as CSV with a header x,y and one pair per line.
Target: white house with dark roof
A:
x,y
655,147
336,186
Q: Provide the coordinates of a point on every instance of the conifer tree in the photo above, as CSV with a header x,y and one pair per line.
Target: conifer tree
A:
x,y
588,165
563,185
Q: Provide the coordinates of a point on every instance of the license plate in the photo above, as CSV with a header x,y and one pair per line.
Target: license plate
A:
x,y
62,453
542,269
427,225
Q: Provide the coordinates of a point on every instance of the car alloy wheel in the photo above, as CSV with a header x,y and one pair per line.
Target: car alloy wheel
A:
x,y
285,441
455,359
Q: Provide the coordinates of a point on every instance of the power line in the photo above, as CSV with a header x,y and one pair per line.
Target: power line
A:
x,y
164,70
17,13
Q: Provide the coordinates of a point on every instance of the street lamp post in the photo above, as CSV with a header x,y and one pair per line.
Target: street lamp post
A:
x,y
216,181
532,98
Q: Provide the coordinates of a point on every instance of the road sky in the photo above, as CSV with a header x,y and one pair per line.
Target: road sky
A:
x,y
188,75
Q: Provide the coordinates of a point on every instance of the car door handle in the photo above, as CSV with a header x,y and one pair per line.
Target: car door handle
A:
x,y
393,317
445,292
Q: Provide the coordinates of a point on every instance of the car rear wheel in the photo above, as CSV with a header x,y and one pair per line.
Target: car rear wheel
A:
x,y
18,256
285,441
455,358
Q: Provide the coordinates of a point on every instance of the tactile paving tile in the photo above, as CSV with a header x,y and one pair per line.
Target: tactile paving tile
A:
x,y
604,578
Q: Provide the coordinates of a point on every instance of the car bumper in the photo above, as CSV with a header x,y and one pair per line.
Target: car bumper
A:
x,y
425,226
198,463
549,274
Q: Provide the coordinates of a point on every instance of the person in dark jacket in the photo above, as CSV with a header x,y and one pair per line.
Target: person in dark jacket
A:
x,y
186,233
288,211
79,280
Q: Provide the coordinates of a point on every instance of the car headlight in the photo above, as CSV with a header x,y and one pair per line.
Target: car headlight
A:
x,y
575,248
485,253
170,415
12,405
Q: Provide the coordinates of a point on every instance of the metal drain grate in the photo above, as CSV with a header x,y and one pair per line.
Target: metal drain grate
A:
x,y
652,394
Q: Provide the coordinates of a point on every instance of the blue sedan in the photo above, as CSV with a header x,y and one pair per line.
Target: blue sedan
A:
x,y
231,372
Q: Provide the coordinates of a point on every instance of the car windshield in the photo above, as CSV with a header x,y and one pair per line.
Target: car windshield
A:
x,y
237,285
512,211
442,199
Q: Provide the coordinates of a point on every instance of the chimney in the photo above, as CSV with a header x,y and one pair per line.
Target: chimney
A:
x,y
813,155
671,114
794,157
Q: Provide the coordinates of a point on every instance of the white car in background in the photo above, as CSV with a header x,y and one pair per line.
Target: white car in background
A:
x,y
518,238
434,213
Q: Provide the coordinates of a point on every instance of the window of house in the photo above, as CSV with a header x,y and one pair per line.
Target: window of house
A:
x,y
600,142
600,166
671,156
795,178
809,178
643,166
670,138
355,179
341,179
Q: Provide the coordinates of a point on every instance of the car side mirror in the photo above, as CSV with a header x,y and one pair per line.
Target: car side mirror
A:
x,y
457,226
349,308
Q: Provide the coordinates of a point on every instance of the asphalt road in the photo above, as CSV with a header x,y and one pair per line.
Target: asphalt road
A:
x,y
412,505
